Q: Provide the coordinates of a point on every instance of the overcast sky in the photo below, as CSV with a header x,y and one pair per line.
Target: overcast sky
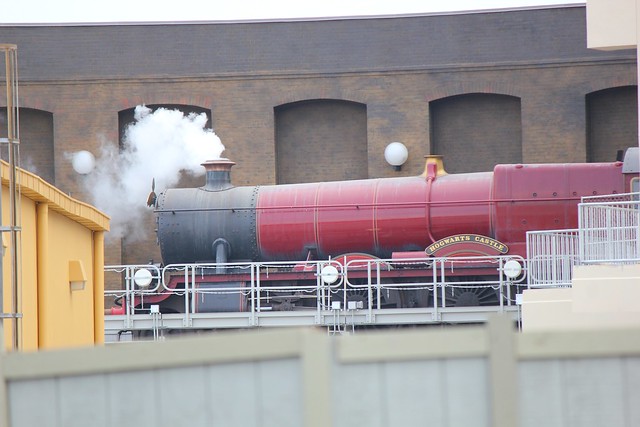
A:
x,y
70,11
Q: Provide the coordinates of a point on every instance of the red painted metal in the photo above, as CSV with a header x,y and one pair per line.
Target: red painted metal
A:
x,y
401,211
286,220
461,204
545,197
382,216
373,216
345,217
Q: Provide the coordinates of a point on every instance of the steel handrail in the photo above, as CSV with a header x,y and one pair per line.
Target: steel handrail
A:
x,y
325,293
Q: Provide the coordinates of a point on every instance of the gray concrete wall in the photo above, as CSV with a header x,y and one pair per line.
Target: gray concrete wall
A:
x,y
481,376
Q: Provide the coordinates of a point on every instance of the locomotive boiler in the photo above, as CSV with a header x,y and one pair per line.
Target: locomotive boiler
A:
x,y
222,223
249,239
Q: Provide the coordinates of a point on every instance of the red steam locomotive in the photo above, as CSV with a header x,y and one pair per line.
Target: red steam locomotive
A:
x,y
388,242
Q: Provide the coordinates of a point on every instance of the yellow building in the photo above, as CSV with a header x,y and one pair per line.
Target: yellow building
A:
x,y
60,265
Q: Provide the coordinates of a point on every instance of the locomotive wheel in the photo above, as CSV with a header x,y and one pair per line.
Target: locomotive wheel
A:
x,y
471,297
285,304
414,298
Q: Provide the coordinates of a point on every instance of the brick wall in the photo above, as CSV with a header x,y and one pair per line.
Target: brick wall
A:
x,y
321,141
612,122
475,132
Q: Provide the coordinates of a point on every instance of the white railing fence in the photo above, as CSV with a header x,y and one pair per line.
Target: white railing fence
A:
x,y
609,229
551,257
607,233
259,289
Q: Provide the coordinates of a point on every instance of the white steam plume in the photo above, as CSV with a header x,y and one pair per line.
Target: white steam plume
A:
x,y
157,146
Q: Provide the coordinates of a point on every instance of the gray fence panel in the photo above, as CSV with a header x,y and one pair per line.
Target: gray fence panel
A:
x,y
357,391
467,393
448,392
594,392
473,376
580,392
280,393
541,400
632,390
132,397
182,394
402,391
21,403
83,401
233,395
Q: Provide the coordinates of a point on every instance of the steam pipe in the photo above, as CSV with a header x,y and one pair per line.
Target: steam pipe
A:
x,y
433,169
221,250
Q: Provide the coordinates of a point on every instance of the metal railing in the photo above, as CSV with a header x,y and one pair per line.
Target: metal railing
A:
x,y
359,286
607,232
551,256
609,229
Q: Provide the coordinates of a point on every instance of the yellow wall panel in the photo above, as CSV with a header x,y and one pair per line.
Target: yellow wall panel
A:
x,y
69,314
56,232
29,276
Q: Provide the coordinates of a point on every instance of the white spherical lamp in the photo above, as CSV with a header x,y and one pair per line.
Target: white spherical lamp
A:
x,y
512,269
396,154
142,278
83,162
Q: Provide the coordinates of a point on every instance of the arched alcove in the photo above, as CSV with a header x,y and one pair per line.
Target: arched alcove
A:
x,y
474,132
321,140
36,142
612,122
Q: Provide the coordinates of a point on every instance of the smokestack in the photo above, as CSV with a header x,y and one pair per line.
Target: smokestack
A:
x,y
218,174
